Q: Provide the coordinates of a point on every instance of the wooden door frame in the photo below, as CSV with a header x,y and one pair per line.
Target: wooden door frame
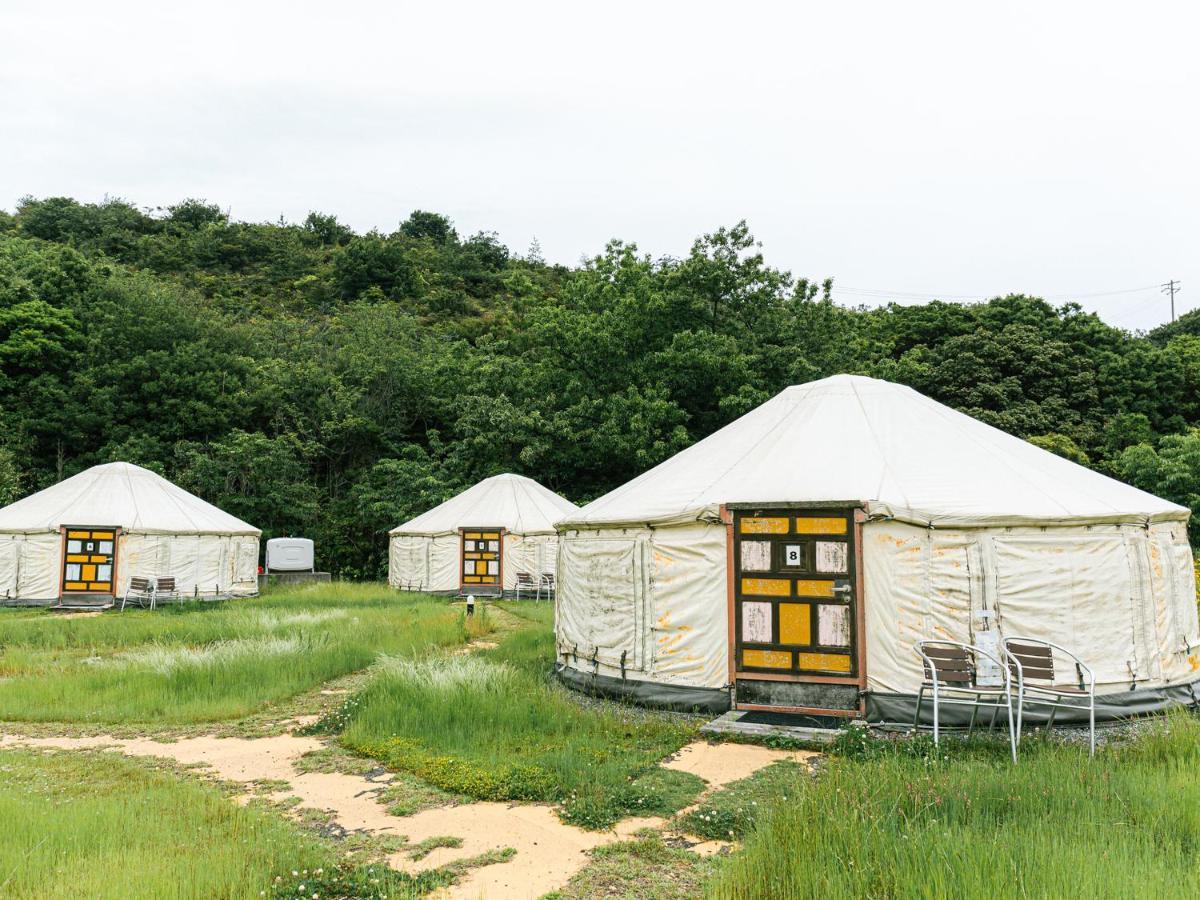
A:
x,y
462,586
62,561
859,517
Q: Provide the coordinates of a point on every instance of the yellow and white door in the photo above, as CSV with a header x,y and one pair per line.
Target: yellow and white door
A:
x,y
482,567
89,560
796,609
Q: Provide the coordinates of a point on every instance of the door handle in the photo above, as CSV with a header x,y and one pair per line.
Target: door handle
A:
x,y
842,589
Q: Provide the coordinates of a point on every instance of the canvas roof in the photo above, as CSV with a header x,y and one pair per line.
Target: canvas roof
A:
x,y
852,438
124,495
512,502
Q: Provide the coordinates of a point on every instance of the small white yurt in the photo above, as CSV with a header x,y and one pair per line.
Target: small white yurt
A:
x,y
477,541
791,560
86,536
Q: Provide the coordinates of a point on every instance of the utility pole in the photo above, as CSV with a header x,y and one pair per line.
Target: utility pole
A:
x,y
1172,287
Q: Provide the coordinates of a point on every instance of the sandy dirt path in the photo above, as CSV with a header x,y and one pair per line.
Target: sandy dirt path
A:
x,y
548,853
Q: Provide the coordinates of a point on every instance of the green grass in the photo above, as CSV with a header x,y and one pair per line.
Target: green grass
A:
x,y
493,726
965,822
100,825
208,662
641,869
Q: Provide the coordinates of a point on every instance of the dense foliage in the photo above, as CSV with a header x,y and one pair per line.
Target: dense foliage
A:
x,y
321,382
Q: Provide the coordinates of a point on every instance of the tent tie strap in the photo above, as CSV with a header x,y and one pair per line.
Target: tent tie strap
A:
x,y
623,652
595,660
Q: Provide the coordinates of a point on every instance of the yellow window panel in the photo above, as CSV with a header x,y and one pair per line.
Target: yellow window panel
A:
x,y
774,525
795,623
100,586
77,557
767,587
472,535
98,559
471,556
79,534
88,573
102,535
820,525
491,535
75,586
825,662
814,588
767,659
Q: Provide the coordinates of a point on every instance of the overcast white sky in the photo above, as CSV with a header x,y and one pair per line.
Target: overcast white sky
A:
x,y
915,149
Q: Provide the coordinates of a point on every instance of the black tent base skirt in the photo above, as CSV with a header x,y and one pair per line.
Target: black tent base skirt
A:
x,y
884,708
646,693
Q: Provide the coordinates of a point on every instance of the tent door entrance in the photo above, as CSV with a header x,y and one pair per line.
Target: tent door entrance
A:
x,y
89,560
796,609
482,569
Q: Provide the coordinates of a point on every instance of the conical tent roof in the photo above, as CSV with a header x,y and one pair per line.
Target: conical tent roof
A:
x,y
124,495
512,502
851,438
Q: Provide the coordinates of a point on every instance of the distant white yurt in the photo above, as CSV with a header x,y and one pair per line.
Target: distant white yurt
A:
x,y
477,541
89,534
791,561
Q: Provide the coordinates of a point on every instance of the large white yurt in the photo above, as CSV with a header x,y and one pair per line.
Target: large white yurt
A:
x,y
86,536
477,541
792,559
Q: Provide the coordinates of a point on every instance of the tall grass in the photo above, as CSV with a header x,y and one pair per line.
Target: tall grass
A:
x,y
99,825
493,726
208,662
973,825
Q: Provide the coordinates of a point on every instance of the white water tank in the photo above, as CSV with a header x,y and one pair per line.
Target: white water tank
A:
x,y
289,555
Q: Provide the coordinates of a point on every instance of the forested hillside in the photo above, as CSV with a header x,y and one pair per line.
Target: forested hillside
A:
x,y
320,382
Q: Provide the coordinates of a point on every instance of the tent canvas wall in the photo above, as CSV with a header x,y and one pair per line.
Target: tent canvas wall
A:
x,y
499,527
792,559
89,534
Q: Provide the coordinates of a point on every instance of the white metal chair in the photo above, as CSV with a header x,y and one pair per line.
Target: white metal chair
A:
x,y
546,583
165,589
1032,663
140,591
952,678
526,583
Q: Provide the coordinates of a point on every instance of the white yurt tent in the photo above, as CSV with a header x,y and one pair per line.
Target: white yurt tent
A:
x,y
89,534
478,541
793,558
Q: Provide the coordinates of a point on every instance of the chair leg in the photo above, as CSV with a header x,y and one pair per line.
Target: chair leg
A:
x,y
1092,722
936,734
974,715
917,715
1012,737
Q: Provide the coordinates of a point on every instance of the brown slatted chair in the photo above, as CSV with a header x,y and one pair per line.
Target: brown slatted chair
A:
x,y
1031,661
164,588
952,679
140,591
526,583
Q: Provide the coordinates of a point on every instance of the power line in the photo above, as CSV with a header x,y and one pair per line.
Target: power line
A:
x,y
931,295
1172,287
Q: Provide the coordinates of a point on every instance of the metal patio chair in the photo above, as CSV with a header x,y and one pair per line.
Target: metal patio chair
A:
x,y
952,679
165,589
526,583
1032,664
546,583
140,591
